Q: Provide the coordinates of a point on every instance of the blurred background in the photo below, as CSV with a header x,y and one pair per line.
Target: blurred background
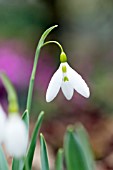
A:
x,y
86,34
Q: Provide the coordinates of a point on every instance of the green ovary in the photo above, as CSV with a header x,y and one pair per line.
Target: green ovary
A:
x,y
63,57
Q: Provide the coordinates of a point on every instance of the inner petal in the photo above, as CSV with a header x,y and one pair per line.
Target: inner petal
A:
x,y
67,89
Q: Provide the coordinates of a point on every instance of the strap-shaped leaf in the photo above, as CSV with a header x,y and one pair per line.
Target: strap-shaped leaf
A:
x,y
59,160
25,118
33,141
3,162
77,150
17,164
43,153
84,139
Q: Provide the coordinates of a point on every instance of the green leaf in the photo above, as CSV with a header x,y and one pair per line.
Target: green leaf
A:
x,y
84,138
3,162
77,149
25,118
59,160
33,142
17,164
43,153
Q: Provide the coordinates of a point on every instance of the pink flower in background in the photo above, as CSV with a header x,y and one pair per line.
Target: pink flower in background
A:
x,y
15,64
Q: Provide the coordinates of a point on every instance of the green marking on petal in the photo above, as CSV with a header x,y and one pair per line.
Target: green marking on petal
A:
x,y
64,69
66,79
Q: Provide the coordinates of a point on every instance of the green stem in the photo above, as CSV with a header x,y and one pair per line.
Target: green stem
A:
x,y
31,84
40,45
55,42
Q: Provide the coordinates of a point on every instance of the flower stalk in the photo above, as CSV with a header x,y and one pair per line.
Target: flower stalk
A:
x,y
32,79
55,42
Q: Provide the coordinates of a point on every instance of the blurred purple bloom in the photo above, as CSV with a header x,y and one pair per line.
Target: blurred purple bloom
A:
x,y
15,63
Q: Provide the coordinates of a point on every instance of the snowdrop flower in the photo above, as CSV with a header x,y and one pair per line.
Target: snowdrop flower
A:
x,y
16,136
68,80
2,123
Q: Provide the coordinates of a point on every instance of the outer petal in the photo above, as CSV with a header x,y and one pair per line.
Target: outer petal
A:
x,y
16,136
54,85
2,124
67,90
77,82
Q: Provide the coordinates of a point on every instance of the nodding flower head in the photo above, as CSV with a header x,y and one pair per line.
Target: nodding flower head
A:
x,y
16,136
68,80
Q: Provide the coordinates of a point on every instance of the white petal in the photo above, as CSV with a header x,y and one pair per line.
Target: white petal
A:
x,y
67,90
2,124
16,136
77,82
54,85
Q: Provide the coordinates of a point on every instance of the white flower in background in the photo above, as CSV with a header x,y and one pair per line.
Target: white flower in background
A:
x,y
68,80
2,124
16,136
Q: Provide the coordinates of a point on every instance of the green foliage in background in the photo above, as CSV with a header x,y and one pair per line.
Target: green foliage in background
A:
x,y
23,21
